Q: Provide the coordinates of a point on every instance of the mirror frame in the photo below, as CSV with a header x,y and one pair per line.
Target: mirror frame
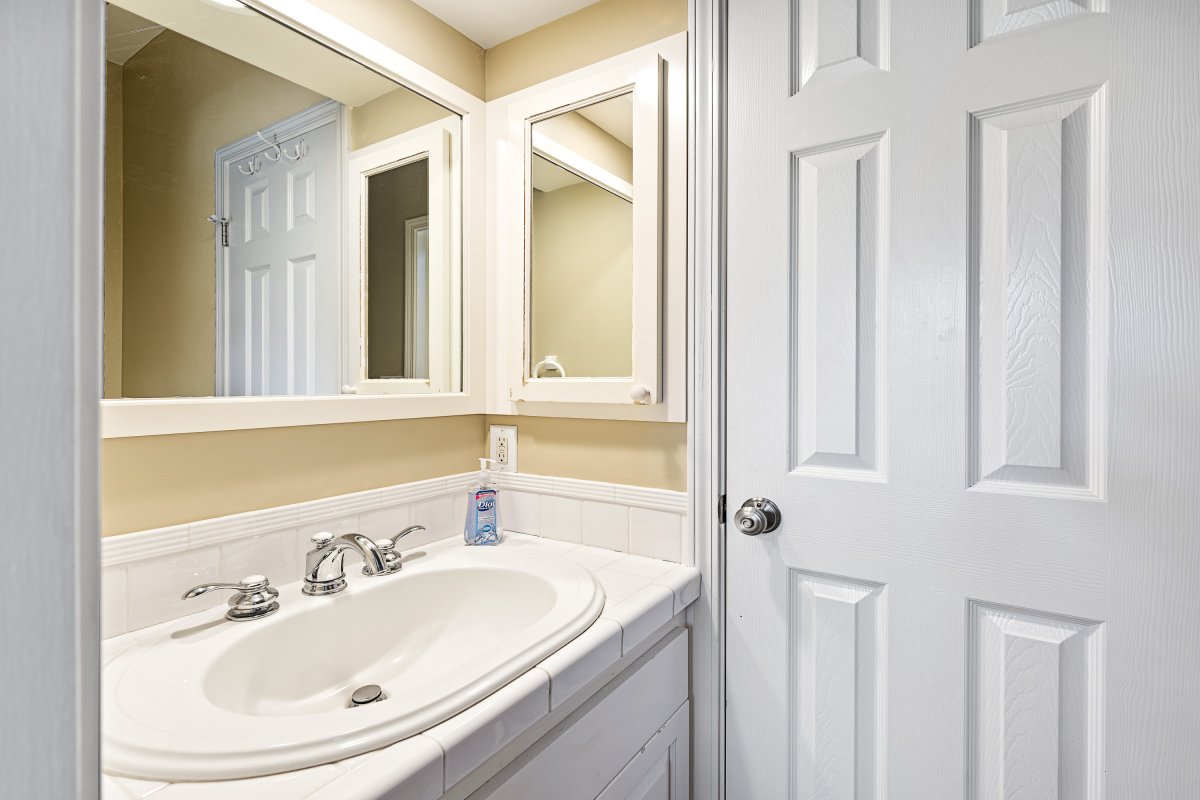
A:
x,y
157,416
657,75
432,142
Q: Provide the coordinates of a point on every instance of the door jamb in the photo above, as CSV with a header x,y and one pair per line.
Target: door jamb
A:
x,y
706,395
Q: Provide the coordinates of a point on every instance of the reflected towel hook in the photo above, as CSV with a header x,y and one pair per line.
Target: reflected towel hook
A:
x,y
278,150
252,166
298,152
549,362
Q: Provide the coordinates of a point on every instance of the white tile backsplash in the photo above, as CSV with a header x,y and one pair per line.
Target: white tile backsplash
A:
x,y
437,515
656,534
386,522
562,518
146,572
521,512
114,604
606,525
269,554
156,586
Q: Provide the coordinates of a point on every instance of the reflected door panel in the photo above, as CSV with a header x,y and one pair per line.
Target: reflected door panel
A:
x,y
280,312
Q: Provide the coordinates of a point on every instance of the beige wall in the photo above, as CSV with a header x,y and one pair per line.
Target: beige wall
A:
x,y
114,177
152,481
409,29
182,101
636,453
582,282
592,34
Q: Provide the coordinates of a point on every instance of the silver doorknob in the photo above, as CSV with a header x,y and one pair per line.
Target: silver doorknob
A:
x,y
757,515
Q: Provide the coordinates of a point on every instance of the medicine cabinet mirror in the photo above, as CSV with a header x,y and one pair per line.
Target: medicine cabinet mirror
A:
x,y
280,220
599,186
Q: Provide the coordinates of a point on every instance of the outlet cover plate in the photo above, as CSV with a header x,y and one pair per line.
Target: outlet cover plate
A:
x,y
500,438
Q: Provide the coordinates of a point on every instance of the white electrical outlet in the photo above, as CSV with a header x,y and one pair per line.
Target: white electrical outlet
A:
x,y
502,447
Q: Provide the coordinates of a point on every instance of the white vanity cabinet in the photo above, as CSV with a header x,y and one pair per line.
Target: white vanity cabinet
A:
x,y
628,742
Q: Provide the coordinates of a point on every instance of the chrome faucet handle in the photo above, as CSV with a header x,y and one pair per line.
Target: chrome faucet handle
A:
x,y
321,539
391,559
407,531
387,548
254,597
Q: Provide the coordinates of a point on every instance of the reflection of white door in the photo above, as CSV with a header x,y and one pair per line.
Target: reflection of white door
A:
x,y
977,417
280,287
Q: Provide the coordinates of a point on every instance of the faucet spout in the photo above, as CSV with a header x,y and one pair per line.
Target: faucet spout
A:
x,y
324,566
372,556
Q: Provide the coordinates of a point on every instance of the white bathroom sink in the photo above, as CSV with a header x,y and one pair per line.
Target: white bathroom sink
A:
x,y
204,698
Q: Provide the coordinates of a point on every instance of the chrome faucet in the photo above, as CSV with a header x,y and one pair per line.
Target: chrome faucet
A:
x,y
324,566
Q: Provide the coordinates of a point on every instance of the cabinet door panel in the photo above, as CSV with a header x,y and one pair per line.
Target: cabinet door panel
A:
x,y
660,769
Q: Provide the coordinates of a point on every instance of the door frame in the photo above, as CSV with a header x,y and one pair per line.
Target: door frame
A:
x,y
706,381
49,425
323,113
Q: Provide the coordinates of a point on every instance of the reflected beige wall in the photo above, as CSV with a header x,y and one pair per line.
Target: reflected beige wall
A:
x,y
409,29
182,101
580,135
394,197
152,481
114,213
592,34
582,281
390,115
650,454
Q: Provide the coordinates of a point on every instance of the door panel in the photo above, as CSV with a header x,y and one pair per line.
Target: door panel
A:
x,y
963,357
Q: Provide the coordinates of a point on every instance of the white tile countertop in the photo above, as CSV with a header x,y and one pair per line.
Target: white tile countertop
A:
x,y
642,596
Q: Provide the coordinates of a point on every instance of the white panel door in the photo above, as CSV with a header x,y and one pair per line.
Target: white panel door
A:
x,y
282,281
964,360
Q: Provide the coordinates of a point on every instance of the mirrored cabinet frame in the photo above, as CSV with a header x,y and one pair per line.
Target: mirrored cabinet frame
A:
x,y
432,144
656,390
156,416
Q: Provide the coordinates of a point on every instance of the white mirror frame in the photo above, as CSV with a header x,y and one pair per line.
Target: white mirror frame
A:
x,y
157,416
433,141
657,74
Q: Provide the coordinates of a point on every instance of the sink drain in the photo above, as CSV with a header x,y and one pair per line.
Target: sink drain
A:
x,y
365,695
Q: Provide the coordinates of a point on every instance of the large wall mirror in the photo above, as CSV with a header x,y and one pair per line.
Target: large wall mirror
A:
x,y
279,219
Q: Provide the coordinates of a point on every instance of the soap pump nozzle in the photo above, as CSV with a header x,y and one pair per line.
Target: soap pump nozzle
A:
x,y
485,470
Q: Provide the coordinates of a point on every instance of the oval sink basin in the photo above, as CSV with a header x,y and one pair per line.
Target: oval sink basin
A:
x,y
214,699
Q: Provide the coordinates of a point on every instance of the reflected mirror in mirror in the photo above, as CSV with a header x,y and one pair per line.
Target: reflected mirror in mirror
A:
x,y
227,143
398,272
581,242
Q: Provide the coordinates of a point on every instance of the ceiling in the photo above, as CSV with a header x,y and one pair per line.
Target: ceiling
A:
x,y
489,22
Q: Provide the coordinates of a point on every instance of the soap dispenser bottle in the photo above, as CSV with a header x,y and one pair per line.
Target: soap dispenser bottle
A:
x,y
483,509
